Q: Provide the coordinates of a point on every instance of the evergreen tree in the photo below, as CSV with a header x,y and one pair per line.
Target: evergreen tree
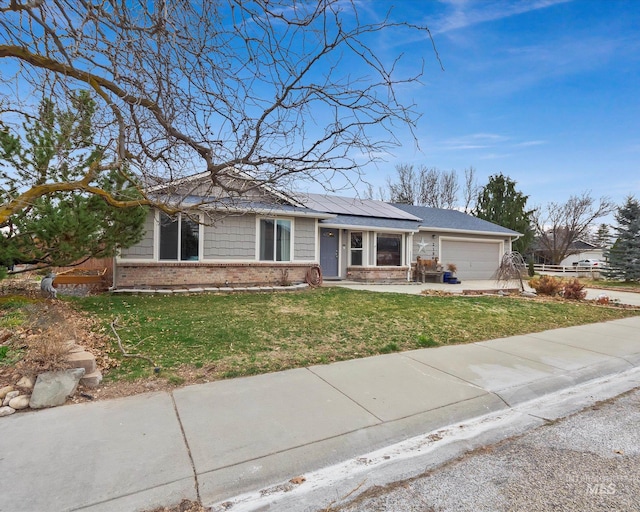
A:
x,y
624,256
499,202
602,237
62,228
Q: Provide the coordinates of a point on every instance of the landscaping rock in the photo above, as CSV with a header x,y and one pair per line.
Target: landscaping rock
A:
x,y
53,388
92,379
72,347
4,391
19,402
6,411
9,396
26,382
84,360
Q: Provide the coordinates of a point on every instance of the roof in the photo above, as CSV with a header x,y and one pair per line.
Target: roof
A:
x,y
239,205
441,219
354,207
347,211
357,221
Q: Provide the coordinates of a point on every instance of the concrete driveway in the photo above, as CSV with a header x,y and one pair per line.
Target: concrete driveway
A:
x,y
630,298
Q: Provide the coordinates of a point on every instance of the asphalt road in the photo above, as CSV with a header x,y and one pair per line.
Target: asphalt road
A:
x,y
589,461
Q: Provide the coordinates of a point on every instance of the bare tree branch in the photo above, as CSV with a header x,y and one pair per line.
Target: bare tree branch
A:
x,y
278,91
560,225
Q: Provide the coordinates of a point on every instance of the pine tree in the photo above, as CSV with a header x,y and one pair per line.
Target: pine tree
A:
x,y
624,256
62,228
602,237
499,202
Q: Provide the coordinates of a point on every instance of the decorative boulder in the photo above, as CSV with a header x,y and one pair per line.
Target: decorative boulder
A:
x,y
6,411
53,388
9,396
4,391
25,382
19,402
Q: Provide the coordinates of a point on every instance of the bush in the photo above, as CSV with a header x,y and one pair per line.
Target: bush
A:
x,y
546,285
574,290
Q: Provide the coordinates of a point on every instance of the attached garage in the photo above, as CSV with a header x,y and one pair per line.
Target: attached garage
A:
x,y
474,258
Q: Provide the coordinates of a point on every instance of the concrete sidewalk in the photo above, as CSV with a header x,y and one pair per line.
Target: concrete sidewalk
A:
x,y
217,440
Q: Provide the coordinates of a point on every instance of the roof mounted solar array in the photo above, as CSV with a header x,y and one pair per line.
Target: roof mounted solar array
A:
x,y
352,206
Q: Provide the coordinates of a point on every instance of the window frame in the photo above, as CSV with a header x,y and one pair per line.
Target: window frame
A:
x,y
353,249
401,248
179,239
275,248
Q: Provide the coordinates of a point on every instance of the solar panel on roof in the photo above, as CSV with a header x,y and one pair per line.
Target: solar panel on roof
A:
x,y
353,206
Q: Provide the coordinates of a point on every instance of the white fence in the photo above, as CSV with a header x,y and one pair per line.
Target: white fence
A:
x,y
568,269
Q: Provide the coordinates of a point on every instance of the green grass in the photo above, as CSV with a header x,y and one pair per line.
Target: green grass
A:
x,y
233,335
12,315
12,311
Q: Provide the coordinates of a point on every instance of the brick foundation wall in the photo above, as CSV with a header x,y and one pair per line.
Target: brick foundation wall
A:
x,y
377,274
176,275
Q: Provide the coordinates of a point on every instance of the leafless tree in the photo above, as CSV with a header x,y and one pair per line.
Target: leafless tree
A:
x,y
448,196
271,90
425,187
470,190
405,189
429,179
558,225
512,266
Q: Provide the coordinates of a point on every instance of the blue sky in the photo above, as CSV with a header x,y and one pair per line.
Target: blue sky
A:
x,y
546,92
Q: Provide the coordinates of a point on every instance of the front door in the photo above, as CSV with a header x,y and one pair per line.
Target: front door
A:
x,y
329,246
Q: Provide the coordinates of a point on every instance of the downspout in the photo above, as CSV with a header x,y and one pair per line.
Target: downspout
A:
x,y
514,240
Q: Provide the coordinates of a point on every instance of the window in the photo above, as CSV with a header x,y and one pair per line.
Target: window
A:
x,y
389,251
275,240
356,248
179,238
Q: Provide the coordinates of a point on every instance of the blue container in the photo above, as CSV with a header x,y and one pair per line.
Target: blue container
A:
x,y
446,276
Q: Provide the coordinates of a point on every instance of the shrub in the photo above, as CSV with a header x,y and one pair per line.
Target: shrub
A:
x,y
574,290
451,267
546,285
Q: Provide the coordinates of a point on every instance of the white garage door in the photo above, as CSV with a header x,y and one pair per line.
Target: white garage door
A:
x,y
474,259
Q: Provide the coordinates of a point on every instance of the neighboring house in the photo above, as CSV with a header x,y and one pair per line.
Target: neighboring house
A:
x,y
585,250
578,250
270,238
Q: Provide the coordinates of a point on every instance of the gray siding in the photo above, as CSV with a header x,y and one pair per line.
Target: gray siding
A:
x,y
304,243
425,246
231,238
143,250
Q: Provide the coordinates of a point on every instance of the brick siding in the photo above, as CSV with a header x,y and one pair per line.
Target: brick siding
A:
x,y
175,275
377,274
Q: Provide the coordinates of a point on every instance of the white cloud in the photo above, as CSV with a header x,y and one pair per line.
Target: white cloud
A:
x,y
470,12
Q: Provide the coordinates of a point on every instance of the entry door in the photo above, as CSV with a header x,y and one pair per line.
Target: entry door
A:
x,y
329,245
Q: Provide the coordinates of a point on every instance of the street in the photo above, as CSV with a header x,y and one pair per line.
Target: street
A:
x,y
589,461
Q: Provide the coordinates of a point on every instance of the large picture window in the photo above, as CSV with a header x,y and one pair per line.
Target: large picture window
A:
x,y
356,248
389,250
275,240
179,238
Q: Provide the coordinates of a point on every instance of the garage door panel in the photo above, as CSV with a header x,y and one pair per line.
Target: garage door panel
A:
x,y
474,260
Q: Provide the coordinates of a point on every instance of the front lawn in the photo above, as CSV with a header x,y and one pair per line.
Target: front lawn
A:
x,y
217,336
